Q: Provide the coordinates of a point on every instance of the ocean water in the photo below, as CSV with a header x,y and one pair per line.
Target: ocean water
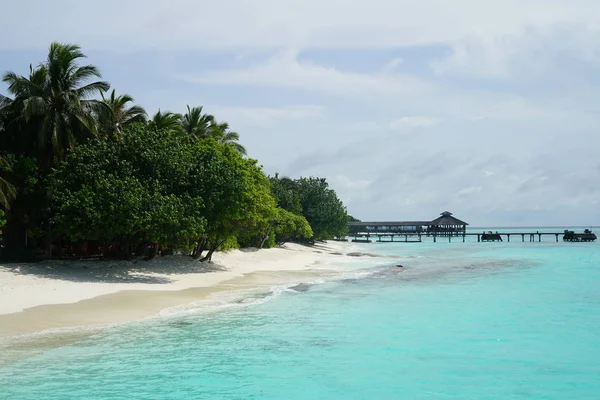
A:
x,y
459,321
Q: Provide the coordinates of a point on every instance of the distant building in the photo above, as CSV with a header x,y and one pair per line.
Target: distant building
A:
x,y
445,225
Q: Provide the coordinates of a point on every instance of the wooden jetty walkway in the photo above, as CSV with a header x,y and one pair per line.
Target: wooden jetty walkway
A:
x,y
447,226
412,237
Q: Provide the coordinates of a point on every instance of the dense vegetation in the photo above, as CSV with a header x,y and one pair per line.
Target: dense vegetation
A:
x,y
84,171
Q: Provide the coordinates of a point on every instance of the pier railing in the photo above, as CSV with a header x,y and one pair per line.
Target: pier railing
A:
x,y
417,237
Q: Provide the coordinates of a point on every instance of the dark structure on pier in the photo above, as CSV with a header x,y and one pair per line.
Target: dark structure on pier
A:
x,y
586,236
490,237
447,225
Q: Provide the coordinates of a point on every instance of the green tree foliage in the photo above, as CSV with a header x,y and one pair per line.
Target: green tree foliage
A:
x,y
237,196
221,133
322,208
7,190
27,219
51,110
312,198
2,221
65,178
287,194
5,113
131,191
167,121
155,186
117,115
291,227
196,124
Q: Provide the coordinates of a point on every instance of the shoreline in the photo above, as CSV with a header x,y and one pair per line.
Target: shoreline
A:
x,y
37,298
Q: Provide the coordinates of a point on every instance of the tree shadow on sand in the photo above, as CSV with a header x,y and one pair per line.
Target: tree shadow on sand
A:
x,y
155,271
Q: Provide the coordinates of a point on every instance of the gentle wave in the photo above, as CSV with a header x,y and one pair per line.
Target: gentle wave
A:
x,y
236,299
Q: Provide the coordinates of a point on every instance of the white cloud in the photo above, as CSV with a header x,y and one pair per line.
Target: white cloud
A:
x,y
153,24
413,122
263,116
469,191
530,54
525,128
392,65
344,182
350,189
482,57
388,91
284,70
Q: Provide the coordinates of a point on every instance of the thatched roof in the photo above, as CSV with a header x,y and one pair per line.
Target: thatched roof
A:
x,y
447,219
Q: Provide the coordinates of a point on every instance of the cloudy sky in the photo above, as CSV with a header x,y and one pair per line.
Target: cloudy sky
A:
x,y
489,109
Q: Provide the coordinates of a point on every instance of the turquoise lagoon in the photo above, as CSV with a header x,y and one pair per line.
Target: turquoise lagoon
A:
x,y
460,321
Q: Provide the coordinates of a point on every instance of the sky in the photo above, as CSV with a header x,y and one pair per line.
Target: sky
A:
x,y
488,109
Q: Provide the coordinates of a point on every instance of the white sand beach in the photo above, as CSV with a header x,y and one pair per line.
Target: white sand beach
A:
x,y
54,295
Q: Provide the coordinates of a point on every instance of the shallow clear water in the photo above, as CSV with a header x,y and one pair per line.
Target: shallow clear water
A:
x,y
461,321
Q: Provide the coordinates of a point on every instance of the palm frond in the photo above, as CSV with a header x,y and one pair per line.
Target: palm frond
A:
x,y
197,124
63,54
92,88
82,74
221,133
55,108
238,147
230,137
167,120
5,101
88,125
34,107
132,115
7,191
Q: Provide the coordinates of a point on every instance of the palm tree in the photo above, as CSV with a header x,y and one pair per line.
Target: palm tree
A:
x,y
5,103
196,124
7,191
222,134
168,121
15,137
53,102
119,115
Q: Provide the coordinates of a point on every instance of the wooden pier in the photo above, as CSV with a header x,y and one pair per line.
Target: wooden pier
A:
x,y
498,236
447,226
569,236
387,238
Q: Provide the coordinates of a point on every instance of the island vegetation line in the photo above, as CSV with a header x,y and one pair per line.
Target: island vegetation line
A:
x,y
84,171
